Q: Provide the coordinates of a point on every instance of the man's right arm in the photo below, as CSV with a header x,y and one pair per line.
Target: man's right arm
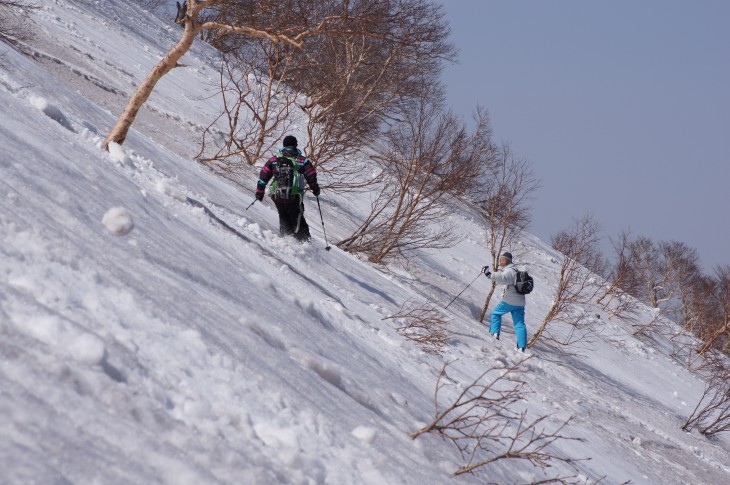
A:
x,y
264,176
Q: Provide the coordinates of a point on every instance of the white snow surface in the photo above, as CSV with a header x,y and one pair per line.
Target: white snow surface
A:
x,y
203,348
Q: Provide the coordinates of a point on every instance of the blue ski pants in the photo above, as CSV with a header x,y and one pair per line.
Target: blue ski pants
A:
x,y
518,318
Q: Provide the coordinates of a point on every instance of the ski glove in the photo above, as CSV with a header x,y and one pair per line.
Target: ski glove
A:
x,y
486,271
259,196
315,191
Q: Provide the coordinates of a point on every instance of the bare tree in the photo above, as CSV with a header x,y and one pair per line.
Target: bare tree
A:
x,y
667,275
484,426
711,416
358,84
256,108
715,331
424,325
682,274
288,22
429,157
502,200
576,285
647,275
351,83
617,297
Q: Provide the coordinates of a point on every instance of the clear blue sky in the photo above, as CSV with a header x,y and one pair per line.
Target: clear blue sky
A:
x,y
623,108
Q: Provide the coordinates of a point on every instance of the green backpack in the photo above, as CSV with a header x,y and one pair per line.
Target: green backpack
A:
x,y
288,180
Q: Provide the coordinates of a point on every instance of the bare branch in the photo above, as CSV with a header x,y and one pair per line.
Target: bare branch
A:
x,y
502,198
482,424
256,111
300,29
576,284
428,158
423,324
251,32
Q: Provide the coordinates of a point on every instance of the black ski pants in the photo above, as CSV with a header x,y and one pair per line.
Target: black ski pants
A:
x,y
291,219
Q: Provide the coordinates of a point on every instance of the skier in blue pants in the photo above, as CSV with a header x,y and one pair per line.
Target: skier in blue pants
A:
x,y
512,302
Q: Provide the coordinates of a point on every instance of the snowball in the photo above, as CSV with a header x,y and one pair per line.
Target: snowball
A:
x,y
365,434
87,348
118,221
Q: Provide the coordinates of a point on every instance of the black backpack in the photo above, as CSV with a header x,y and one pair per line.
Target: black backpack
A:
x,y
525,283
288,182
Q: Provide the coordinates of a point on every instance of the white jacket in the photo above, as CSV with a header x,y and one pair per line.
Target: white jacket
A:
x,y
507,276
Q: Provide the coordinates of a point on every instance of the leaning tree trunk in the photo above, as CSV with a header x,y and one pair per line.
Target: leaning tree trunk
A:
x,y
486,302
119,132
541,328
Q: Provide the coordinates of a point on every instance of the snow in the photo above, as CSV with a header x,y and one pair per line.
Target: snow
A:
x,y
154,330
50,110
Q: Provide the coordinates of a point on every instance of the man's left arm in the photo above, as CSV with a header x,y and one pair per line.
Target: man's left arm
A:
x,y
310,175
505,276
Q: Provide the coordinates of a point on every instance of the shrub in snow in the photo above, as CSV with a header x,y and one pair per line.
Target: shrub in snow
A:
x,y
481,423
118,221
711,416
424,325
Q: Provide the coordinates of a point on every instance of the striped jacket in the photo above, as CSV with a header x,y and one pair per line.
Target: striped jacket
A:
x,y
302,165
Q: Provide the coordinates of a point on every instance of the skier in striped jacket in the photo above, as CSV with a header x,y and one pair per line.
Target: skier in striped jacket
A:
x,y
289,171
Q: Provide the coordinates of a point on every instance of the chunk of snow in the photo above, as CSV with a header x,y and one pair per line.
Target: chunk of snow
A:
x,y
117,153
118,221
86,348
277,436
364,434
68,339
197,409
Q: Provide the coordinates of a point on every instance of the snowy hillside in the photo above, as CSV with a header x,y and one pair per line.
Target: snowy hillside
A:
x,y
153,330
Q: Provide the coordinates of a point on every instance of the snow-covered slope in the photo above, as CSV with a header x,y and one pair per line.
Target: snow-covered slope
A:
x,y
200,347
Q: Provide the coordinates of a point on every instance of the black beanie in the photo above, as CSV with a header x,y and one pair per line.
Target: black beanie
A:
x,y
507,255
290,141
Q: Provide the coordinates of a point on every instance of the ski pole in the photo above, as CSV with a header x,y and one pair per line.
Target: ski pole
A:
x,y
462,291
327,246
252,203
